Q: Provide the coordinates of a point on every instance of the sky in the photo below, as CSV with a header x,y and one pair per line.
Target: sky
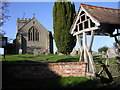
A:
x,y
43,12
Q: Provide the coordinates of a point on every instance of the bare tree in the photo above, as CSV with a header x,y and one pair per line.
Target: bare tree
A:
x,y
3,14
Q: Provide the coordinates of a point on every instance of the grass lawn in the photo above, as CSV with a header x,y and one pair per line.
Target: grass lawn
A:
x,y
42,58
51,58
58,82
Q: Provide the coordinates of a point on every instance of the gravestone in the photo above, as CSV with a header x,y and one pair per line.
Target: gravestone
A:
x,y
60,54
74,52
103,54
35,52
111,53
41,52
46,52
20,51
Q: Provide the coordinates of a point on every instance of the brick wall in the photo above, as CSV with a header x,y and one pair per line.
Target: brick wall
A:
x,y
76,69
44,70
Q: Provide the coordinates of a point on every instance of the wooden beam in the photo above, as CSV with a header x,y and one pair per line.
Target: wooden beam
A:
x,y
88,58
91,62
86,30
79,42
114,35
75,21
81,56
80,46
85,45
91,41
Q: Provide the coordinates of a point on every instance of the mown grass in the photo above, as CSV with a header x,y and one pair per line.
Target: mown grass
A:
x,y
42,58
52,58
15,58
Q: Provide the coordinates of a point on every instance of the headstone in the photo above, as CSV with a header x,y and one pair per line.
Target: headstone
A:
x,y
111,53
103,54
60,54
41,52
20,51
35,52
46,52
73,53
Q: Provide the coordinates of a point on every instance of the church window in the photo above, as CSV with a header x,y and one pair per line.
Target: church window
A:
x,y
33,34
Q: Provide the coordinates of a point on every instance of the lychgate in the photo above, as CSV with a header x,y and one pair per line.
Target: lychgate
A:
x,y
94,20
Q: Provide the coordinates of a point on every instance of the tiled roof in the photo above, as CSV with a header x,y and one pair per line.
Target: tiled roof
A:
x,y
102,14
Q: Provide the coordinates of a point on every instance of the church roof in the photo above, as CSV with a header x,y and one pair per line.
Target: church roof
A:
x,y
30,20
103,14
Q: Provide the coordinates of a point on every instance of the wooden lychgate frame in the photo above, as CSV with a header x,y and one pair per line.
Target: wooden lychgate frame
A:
x,y
86,23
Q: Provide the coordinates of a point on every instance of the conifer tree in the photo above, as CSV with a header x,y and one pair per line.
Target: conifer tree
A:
x,y
63,16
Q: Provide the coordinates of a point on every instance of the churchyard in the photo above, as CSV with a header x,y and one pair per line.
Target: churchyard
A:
x,y
60,82
30,63
50,58
42,58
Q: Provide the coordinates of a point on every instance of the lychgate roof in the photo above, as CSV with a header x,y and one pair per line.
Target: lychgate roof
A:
x,y
102,14
103,17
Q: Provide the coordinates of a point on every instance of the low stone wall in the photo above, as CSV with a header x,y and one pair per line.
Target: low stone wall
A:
x,y
44,70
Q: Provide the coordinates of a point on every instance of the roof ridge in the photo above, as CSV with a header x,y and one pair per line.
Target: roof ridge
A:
x,y
27,23
82,4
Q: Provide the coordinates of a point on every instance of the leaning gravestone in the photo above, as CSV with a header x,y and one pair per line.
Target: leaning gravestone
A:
x,y
73,53
20,51
35,52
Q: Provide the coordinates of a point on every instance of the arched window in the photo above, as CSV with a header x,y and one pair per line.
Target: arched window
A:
x,y
33,34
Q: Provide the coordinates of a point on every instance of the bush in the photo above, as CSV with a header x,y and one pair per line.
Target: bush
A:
x,y
104,48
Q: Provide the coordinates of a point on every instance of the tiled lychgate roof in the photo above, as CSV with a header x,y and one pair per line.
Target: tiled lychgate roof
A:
x,y
102,14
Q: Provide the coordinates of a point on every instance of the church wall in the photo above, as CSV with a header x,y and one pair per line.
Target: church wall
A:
x,y
42,44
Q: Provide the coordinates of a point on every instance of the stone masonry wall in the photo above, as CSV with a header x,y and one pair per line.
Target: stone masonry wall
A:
x,y
44,70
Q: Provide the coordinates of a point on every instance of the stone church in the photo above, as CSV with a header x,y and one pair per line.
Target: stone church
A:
x,y
32,35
